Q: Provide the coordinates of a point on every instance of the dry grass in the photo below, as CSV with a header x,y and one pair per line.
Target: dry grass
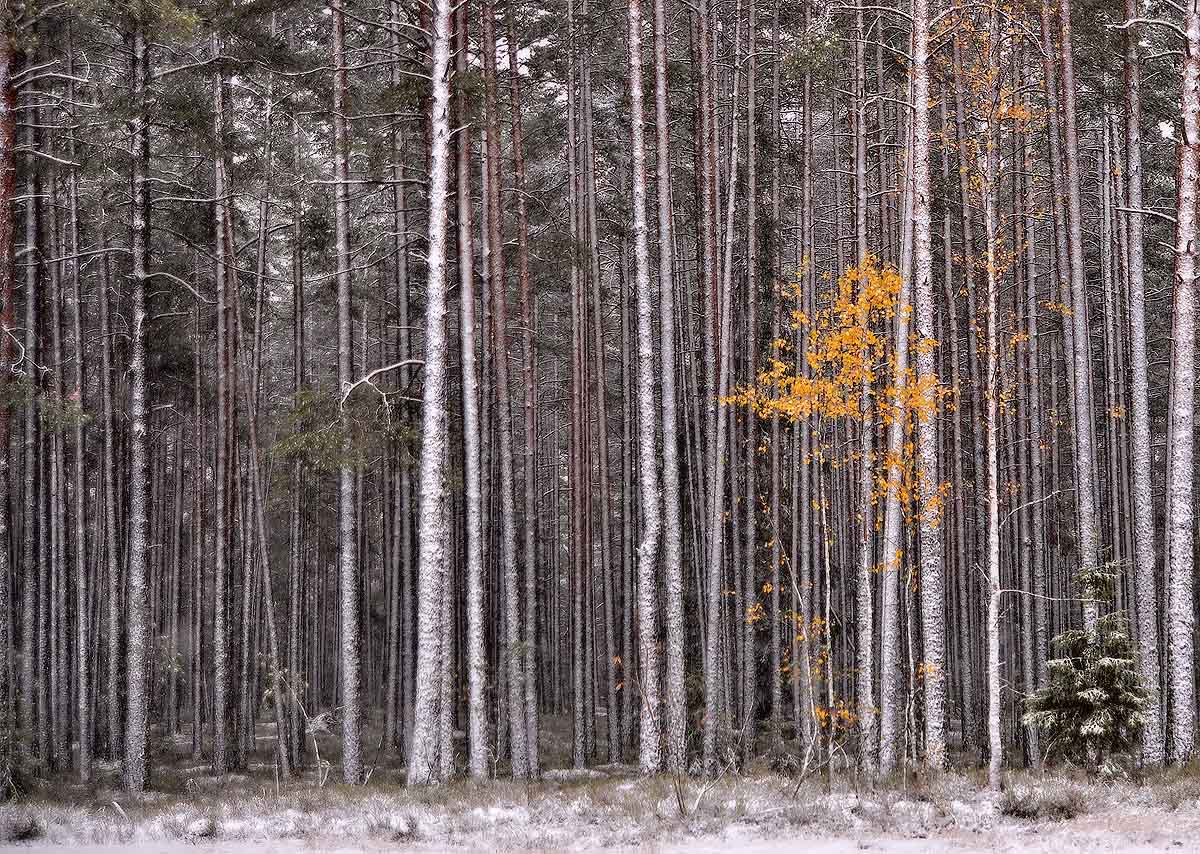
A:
x,y
20,825
1053,800
602,806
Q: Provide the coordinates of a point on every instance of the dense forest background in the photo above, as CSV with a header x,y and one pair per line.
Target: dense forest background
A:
x,y
714,380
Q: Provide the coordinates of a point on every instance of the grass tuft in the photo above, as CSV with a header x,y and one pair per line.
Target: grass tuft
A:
x,y
1058,801
21,826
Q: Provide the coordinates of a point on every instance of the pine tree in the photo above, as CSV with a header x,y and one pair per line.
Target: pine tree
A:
x,y
1092,707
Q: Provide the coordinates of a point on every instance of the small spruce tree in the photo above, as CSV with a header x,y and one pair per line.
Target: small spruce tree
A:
x,y
1091,707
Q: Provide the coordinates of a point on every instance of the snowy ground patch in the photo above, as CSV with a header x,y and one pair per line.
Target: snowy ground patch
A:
x,y
618,810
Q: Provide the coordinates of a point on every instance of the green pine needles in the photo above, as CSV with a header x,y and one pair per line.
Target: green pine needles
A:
x,y
1090,709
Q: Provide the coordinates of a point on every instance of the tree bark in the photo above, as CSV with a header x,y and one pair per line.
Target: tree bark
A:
x,y
137,700
1180,616
424,764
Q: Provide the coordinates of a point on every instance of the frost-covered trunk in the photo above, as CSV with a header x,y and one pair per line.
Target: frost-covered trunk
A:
x,y
987,173
717,694
676,698
29,565
497,295
958,555
576,469
220,690
1085,463
396,660
892,559
1139,388
196,532
864,617
590,228
298,592
751,590
478,741
112,572
529,447
1180,474
775,279
8,138
706,179
650,729
84,585
972,665
138,650
735,641
930,516
433,535
262,539
347,511
1037,571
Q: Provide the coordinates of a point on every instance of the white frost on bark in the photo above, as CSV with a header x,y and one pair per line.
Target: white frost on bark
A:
x,y
137,701
676,699
424,764
1139,388
478,741
1085,461
650,749
347,511
1180,474
930,517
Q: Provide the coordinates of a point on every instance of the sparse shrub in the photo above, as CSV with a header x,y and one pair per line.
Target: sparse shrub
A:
x,y
190,826
21,826
784,763
1179,792
1057,802
204,827
393,827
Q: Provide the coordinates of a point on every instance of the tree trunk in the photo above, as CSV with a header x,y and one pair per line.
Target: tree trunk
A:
x,y
930,518
1180,475
433,534
676,699
1143,497
348,569
137,699
477,737
650,728
1085,464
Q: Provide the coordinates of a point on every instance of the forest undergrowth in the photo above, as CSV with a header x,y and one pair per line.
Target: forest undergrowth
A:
x,y
603,806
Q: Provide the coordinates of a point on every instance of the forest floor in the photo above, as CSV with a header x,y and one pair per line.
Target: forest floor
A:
x,y
608,807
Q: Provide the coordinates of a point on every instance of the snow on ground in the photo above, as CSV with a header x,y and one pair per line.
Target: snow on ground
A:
x,y
614,810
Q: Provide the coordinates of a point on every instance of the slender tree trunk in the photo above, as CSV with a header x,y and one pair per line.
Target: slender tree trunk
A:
x,y
433,535
650,750
348,568
864,617
676,699
9,60
197,521
263,540
223,508
987,172
1180,475
137,700
1085,464
478,744
499,299
1143,497
29,612
751,591
298,592
928,475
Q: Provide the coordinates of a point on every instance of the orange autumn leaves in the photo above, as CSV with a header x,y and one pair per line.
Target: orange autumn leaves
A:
x,y
845,345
